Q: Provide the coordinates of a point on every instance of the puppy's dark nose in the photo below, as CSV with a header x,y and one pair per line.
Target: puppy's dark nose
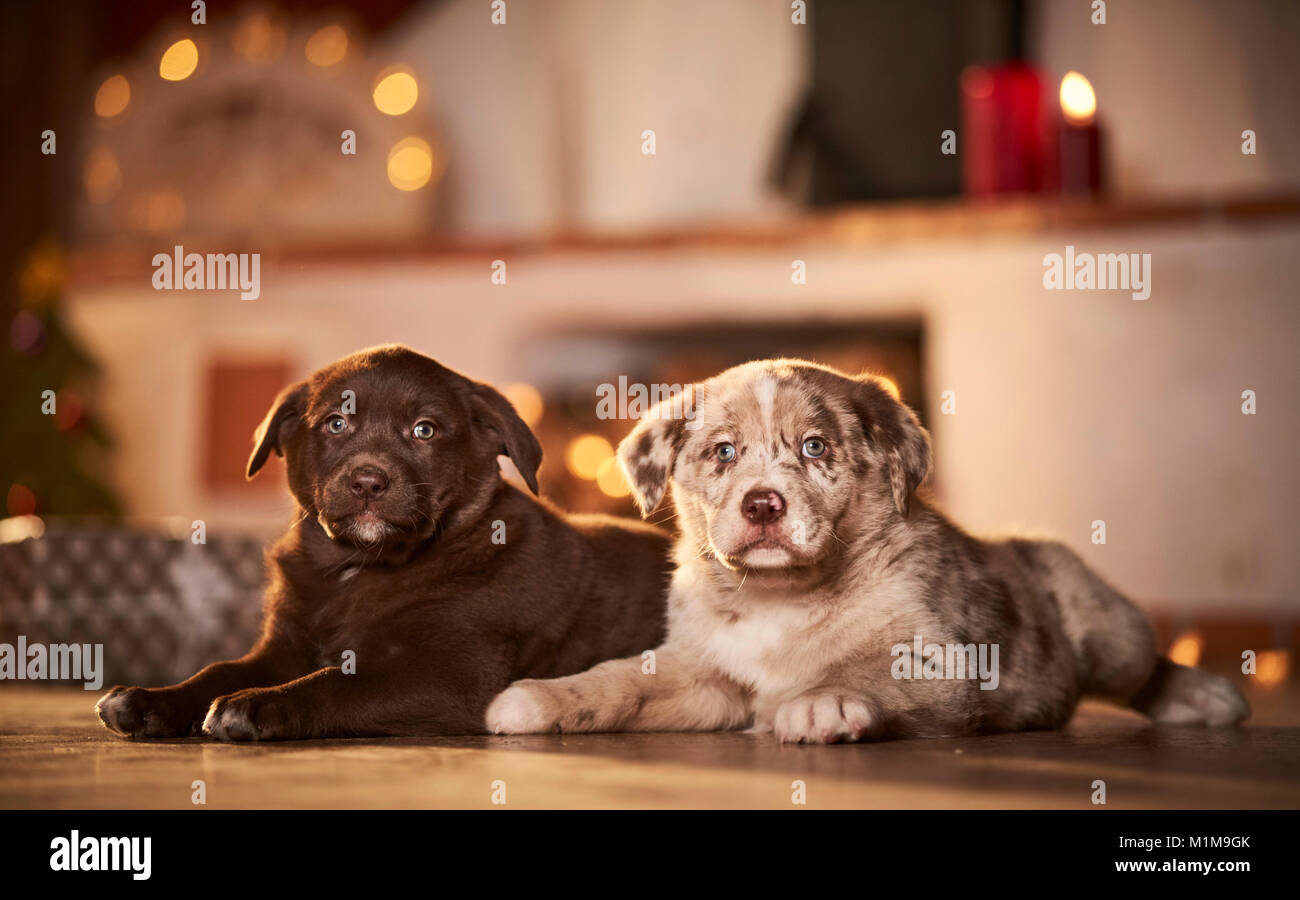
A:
x,y
368,482
763,506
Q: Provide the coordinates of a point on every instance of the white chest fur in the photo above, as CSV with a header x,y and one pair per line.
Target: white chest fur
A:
x,y
778,649
781,646
766,649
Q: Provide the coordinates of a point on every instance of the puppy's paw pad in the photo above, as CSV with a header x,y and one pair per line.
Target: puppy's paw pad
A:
x,y
824,719
521,709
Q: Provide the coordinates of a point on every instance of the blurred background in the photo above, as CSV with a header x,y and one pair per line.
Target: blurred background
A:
x,y
552,194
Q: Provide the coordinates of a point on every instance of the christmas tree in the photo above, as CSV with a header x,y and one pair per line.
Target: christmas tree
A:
x,y
52,448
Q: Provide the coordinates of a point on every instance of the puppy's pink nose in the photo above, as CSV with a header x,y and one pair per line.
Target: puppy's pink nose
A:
x,y
763,506
368,482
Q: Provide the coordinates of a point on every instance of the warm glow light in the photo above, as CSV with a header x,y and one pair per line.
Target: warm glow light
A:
x,y
180,61
1271,667
20,501
396,93
258,39
1186,649
526,400
43,274
112,97
889,385
327,46
1078,102
410,164
165,212
585,454
609,478
21,528
102,175
69,412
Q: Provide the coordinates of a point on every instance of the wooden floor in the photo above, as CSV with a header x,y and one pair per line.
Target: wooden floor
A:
x,y
54,754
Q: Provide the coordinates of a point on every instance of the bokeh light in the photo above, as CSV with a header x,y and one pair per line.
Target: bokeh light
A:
x,y
585,454
395,94
1186,649
410,164
609,478
21,528
112,97
526,400
258,39
179,61
165,211
1272,667
102,175
327,46
20,501
43,274
26,333
69,411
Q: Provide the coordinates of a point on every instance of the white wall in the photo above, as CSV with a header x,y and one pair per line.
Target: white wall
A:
x,y
1070,406
543,116
1177,81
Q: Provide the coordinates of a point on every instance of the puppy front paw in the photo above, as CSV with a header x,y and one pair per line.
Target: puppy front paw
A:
x,y
824,719
144,713
526,707
248,715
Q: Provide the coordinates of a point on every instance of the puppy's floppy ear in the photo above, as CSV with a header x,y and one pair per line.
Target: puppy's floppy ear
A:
x,y
894,429
288,406
649,451
494,414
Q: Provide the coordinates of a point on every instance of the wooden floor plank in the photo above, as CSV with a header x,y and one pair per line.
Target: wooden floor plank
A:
x,y
54,754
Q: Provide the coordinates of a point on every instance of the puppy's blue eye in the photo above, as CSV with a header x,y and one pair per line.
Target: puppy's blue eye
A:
x,y
336,425
726,452
814,448
423,430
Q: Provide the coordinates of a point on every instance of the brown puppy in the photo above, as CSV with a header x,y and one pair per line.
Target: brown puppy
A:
x,y
818,598
416,583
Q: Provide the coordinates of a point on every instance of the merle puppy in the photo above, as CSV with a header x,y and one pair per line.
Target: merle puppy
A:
x,y
818,598
415,583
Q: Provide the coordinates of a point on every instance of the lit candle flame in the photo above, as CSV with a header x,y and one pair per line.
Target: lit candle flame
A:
x,y
1078,101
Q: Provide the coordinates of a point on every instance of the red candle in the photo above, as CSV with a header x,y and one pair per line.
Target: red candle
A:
x,y
1078,138
1002,124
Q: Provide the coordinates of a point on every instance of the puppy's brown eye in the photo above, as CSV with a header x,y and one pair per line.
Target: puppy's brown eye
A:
x,y
336,425
423,430
814,448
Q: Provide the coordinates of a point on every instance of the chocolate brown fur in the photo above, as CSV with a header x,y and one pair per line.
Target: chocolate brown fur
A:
x,y
440,616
